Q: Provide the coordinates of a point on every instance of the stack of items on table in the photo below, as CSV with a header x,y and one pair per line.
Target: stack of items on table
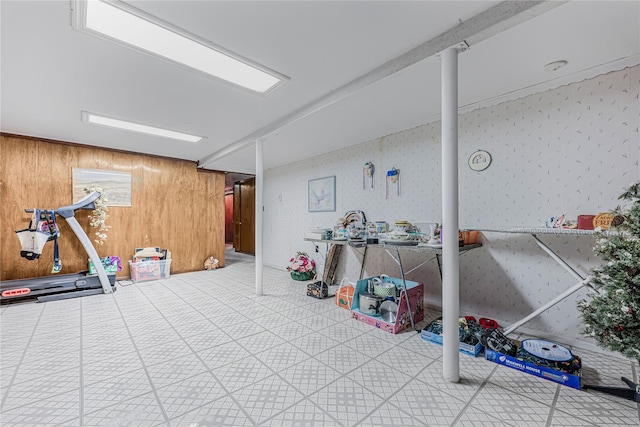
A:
x,y
150,263
318,233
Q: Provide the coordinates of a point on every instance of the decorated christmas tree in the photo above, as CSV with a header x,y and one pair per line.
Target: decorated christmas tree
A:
x,y
612,313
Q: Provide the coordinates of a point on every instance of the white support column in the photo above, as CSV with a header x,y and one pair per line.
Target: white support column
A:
x,y
450,255
259,215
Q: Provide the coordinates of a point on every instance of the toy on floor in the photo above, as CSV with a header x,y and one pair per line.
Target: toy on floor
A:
x,y
211,263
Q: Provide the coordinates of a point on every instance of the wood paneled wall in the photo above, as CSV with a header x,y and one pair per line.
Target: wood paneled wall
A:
x,y
174,206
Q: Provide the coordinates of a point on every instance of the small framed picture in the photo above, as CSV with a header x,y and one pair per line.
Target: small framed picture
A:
x,y
322,194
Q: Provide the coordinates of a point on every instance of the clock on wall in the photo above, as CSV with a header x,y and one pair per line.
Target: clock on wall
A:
x,y
480,160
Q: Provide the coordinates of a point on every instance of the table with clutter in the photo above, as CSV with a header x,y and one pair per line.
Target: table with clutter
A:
x,y
370,303
403,308
355,232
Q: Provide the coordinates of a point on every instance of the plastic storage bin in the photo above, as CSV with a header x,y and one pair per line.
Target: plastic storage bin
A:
x,y
143,271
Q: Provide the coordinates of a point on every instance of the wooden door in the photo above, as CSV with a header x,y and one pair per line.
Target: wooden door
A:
x,y
248,216
244,217
236,216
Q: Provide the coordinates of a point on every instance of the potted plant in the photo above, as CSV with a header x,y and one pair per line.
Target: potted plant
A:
x,y
302,267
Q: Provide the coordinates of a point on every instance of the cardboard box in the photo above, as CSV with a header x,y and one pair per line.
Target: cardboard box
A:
x,y
463,347
415,292
155,249
331,263
143,271
570,380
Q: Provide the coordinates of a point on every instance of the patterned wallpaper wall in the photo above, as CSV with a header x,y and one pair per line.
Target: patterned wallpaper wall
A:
x,y
568,151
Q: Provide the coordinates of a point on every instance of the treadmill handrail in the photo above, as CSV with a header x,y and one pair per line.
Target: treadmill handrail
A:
x,y
85,203
67,212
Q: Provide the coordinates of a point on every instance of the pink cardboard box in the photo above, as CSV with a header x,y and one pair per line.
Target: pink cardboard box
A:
x,y
415,291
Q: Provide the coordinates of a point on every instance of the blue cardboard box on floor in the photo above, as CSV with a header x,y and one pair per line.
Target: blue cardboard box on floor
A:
x,y
564,378
471,350
433,333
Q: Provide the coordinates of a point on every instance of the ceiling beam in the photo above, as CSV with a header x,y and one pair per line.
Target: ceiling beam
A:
x,y
492,21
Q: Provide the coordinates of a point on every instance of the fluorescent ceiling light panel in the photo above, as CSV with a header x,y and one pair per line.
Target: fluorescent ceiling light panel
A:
x,y
136,127
138,29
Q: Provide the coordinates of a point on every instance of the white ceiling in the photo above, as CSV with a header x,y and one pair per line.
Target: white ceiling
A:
x,y
51,72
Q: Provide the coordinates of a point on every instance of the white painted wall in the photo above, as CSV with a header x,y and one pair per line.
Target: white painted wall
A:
x,y
571,150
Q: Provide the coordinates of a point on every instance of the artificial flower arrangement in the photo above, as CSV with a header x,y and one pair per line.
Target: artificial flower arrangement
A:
x,y
302,267
98,217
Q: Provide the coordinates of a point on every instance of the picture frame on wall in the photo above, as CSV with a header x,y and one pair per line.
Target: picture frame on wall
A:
x,y
116,185
322,194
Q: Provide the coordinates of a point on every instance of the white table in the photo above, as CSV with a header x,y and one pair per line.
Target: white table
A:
x,y
360,244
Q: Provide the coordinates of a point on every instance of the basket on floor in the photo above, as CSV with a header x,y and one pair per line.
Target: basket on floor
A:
x,y
302,276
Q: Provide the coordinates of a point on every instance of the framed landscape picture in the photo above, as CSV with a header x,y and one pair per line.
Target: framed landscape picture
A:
x,y
116,185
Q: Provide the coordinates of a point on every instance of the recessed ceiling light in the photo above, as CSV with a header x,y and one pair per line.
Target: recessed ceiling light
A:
x,y
136,127
121,22
555,65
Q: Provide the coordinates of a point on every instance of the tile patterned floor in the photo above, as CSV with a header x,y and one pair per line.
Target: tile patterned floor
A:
x,y
200,349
